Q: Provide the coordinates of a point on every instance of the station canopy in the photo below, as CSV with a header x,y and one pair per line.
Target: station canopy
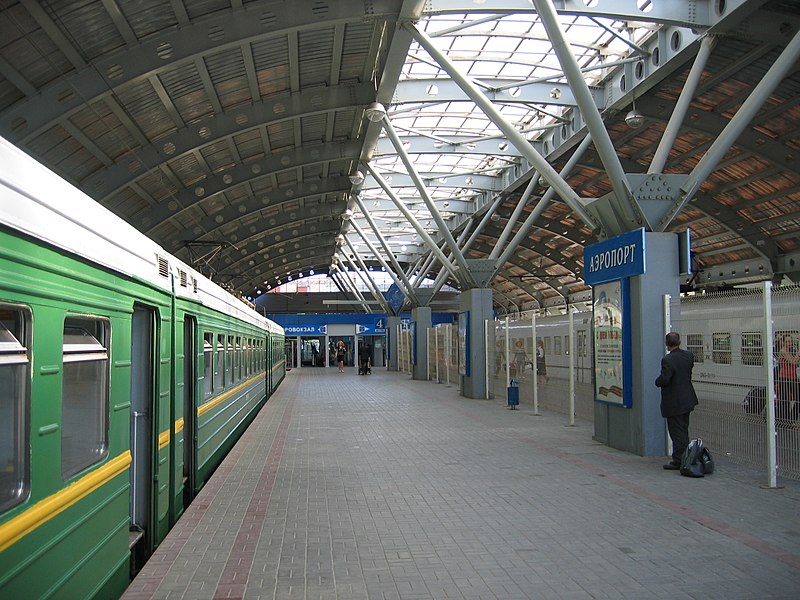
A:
x,y
266,140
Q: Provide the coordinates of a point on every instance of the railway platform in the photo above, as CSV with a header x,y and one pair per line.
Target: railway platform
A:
x,y
380,487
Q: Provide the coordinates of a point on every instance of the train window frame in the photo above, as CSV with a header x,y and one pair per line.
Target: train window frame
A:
x,y
239,359
720,355
219,363
15,357
694,344
229,361
208,365
752,354
85,383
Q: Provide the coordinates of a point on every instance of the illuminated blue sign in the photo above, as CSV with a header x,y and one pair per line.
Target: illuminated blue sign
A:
x,y
614,259
395,297
306,329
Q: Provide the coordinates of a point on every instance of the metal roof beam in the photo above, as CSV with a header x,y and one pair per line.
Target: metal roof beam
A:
x,y
464,181
594,122
274,109
697,13
444,231
740,121
395,268
365,276
256,243
681,106
499,91
514,137
54,32
92,82
243,173
353,288
120,22
430,243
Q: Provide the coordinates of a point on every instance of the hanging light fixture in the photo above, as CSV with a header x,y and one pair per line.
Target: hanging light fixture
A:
x,y
634,118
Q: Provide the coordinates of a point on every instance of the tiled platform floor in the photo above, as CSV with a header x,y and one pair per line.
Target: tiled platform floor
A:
x,y
381,487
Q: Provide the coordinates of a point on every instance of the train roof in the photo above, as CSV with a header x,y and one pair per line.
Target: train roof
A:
x,y
39,203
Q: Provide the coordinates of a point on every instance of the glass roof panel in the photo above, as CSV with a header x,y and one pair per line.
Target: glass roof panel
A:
x,y
486,47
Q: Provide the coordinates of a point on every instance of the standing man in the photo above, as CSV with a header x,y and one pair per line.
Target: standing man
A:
x,y
678,397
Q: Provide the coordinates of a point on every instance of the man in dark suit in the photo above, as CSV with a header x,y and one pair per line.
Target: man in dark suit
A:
x,y
678,397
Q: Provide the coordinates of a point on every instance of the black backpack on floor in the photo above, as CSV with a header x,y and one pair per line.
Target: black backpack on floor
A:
x,y
697,460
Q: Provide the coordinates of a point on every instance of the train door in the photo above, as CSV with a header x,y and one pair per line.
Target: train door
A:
x,y
189,407
290,350
142,510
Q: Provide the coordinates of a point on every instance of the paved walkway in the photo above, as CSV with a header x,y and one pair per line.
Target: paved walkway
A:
x,y
381,487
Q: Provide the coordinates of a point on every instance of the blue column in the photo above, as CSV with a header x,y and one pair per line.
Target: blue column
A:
x,y
421,320
476,307
393,331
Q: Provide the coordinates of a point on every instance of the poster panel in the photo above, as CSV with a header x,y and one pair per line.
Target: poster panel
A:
x,y
610,345
463,343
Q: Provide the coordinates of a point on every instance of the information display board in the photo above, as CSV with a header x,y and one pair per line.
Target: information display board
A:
x,y
610,343
610,265
463,343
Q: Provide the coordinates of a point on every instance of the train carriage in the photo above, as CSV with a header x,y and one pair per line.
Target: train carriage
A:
x,y
126,377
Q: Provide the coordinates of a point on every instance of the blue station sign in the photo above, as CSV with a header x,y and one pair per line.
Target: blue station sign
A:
x,y
377,328
306,329
395,297
615,258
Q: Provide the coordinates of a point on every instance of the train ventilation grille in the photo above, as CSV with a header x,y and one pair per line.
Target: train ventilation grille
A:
x,y
183,278
163,266
194,285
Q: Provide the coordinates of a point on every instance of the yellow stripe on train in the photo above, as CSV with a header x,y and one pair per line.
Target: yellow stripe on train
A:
x,y
163,437
223,397
46,509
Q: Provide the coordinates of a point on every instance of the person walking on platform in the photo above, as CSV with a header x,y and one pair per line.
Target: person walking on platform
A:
x,y
678,397
341,355
541,365
364,358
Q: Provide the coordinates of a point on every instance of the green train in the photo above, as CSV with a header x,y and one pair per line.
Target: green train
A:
x,y
125,378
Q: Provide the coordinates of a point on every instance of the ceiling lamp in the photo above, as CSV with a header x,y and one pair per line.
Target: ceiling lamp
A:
x,y
357,177
375,112
634,119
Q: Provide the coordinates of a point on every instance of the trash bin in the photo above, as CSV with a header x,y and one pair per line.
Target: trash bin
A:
x,y
512,393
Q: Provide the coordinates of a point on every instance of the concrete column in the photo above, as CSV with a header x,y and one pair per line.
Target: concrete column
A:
x,y
421,320
640,429
393,329
477,302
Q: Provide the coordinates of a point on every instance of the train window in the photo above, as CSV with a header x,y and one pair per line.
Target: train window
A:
x,y
229,378
208,365
721,350
15,380
694,344
548,345
752,351
84,395
239,359
557,345
219,372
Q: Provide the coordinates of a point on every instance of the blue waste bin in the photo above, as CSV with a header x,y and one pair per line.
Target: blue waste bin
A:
x,y
512,392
